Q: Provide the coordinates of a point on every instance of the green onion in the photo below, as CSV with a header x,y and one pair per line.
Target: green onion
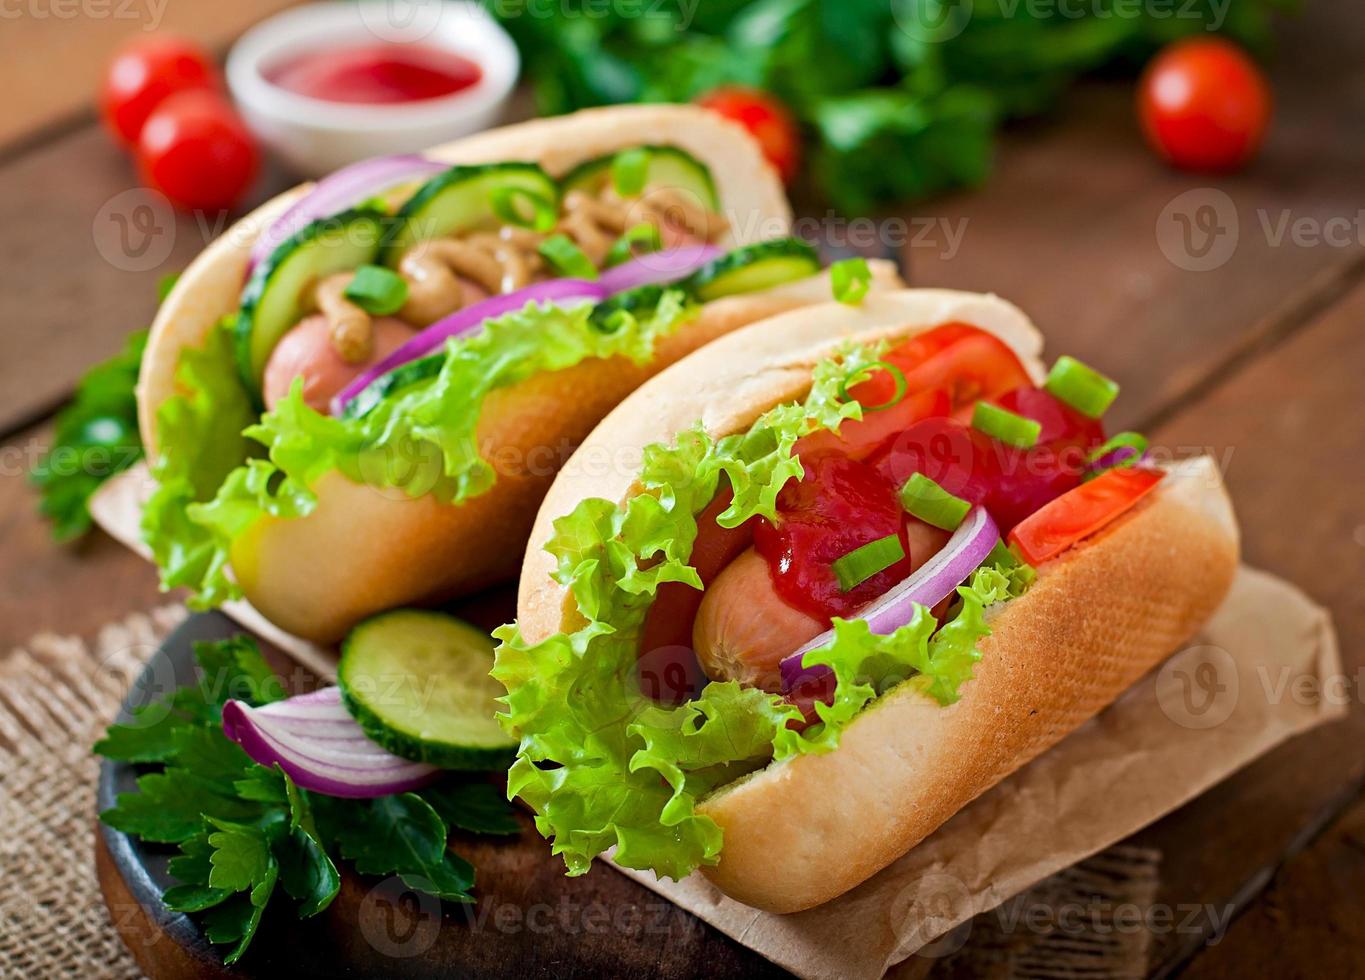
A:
x,y
643,236
864,373
511,204
860,564
1135,441
851,279
1002,424
567,258
377,290
1081,387
924,498
628,171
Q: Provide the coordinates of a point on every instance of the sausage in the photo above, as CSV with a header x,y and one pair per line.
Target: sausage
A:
x,y
744,629
307,351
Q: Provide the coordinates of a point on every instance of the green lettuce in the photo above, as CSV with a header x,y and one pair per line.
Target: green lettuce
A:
x,y
221,468
602,764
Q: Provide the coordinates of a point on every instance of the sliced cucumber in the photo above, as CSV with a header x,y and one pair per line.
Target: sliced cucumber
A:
x,y
274,298
753,267
668,167
417,682
459,199
386,385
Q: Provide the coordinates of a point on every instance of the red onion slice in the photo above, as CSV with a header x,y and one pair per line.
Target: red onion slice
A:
x,y
666,265
338,191
464,322
319,745
926,586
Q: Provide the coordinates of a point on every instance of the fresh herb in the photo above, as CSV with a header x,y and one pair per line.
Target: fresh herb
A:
x,y
1081,387
566,258
924,498
629,168
851,279
1006,426
636,239
898,98
860,564
246,833
95,437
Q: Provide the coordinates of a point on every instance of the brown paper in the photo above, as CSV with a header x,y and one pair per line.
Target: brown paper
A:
x,y
1232,694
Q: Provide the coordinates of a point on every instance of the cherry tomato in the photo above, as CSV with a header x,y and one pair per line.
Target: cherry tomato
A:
x,y
837,506
1204,105
197,151
143,73
766,118
1080,512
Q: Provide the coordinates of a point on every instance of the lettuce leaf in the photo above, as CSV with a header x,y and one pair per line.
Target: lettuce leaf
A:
x,y
419,440
602,764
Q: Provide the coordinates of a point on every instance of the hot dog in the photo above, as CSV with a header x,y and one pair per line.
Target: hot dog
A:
x,y
356,397
921,561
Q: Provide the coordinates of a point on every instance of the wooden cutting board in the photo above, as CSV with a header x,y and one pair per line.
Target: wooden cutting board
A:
x,y
529,920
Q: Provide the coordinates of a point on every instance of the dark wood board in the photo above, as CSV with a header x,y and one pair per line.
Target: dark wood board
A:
x,y
530,919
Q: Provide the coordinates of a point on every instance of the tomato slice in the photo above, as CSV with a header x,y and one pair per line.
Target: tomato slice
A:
x,y
965,360
1080,512
858,439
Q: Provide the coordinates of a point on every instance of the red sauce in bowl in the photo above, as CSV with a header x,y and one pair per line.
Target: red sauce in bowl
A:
x,y
376,73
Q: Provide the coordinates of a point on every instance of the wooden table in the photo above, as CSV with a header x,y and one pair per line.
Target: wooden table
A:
x,y
1259,358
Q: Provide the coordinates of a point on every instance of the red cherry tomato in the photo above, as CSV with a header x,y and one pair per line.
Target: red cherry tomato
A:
x,y
1080,512
1204,105
197,151
143,73
764,117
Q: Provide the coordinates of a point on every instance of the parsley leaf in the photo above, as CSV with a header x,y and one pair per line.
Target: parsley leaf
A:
x,y
244,829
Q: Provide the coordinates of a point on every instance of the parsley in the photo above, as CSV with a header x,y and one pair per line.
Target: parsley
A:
x,y
245,833
95,437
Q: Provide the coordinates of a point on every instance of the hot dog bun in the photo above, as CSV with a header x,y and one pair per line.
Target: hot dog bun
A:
x,y
364,550
1100,615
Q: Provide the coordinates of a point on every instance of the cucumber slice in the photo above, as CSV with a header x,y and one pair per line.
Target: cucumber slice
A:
x,y
668,167
459,199
754,267
274,298
422,369
417,683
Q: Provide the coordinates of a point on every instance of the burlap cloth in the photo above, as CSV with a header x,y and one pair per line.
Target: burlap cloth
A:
x,y
58,693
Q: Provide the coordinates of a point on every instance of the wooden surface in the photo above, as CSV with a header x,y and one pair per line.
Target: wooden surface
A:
x,y
1259,359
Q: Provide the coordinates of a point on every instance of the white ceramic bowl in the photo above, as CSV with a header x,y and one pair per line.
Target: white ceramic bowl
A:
x,y
314,136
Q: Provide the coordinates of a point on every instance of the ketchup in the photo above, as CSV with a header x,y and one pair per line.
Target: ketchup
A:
x,y
376,74
850,497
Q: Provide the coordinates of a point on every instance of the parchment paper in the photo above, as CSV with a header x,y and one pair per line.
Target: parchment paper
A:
x,y
1230,695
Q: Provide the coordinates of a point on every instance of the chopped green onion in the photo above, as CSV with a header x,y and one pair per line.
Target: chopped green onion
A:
x,y
924,498
644,237
860,564
1002,424
1081,387
377,290
567,258
851,279
864,373
628,171
512,204
1134,441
